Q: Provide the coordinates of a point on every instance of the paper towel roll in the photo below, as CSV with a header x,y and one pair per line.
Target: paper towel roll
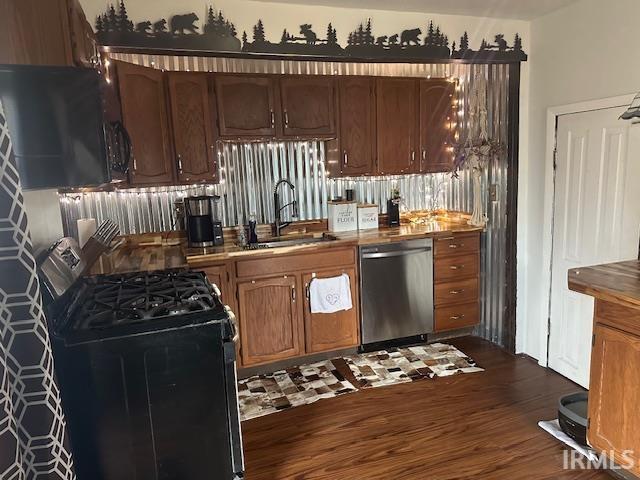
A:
x,y
86,228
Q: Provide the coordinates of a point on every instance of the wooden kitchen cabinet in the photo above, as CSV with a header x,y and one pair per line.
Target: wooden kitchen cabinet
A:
x,y
437,125
270,325
356,102
246,106
397,125
52,32
145,116
326,332
219,276
192,126
613,393
457,281
308,106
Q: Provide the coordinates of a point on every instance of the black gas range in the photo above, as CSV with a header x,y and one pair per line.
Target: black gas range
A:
x,y
146,367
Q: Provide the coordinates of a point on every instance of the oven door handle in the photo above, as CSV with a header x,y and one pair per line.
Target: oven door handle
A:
x,y
234,324
235,428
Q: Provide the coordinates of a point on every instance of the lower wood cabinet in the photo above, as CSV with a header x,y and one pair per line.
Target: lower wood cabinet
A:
x,y
270,326
219,276
613,391
325,332
456,277
273,306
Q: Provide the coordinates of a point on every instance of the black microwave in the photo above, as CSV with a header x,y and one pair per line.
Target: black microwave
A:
x,y
56,123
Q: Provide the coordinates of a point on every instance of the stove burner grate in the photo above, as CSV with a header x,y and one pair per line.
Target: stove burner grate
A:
x,y
139,297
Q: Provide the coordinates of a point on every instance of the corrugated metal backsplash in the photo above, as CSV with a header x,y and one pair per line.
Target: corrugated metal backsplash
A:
x,y
248,174
249,171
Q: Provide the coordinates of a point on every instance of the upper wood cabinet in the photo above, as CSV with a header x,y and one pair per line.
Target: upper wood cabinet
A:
x,y
357,125
437,120
192,127
613,392
308,106
270,327
331,331
144,113
51,32
246,105
397,125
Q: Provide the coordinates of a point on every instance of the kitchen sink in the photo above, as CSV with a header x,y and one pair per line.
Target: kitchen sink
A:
x,y
290,242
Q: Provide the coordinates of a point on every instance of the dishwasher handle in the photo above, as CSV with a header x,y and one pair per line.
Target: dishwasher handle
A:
x,y
396,253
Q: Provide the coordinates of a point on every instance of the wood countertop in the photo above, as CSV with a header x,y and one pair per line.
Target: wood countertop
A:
x,y
613,282
201,257
153,252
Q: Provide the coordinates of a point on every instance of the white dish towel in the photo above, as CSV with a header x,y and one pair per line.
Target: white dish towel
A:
x,y
330,295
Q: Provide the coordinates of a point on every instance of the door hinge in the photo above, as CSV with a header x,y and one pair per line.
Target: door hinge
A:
x,y
555,158
593,340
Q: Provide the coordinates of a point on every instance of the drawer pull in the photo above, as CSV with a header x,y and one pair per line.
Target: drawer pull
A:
x,y
456,292
456,317
456,267
456,245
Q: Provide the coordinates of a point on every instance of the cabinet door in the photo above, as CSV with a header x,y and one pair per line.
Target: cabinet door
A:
x,y
144,112
357,125
35,32
437,120
331,331
308,106
397,122
83,40
218,275
192,127
614,395
270,327
246,106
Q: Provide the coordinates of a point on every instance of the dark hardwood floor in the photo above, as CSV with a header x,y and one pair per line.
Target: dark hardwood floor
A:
x,y
476,426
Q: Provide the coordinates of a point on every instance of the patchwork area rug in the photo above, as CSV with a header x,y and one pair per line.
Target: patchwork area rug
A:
x,y
402,365
264,394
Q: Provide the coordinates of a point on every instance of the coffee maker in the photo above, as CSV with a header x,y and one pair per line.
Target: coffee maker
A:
x,y
203,221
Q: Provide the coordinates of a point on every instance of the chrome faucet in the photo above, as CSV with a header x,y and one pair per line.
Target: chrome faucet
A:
x,y
278,224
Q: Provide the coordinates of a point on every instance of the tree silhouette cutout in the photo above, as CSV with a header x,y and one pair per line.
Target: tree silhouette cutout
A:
x,y
244,39
258,32
517,43
124,24
464,42
332,35
112,19
368,37
99,24
285,36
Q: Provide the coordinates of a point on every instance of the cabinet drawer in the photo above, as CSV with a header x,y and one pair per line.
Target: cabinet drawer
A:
x,y
456,292
457,245
293,263
459,316
459,266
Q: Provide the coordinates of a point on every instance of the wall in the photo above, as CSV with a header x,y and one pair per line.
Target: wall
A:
x,y
277,16
583,52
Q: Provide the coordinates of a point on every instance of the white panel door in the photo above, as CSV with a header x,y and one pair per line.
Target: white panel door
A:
x,y
596,220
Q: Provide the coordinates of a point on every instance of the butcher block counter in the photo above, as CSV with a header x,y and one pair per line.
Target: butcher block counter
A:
x,y
614,387
148,252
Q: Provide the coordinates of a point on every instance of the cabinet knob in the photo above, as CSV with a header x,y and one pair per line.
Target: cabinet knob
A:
x,y
456,267
456,292
135,164
413,157
424,155
286,118
456,317
346,158
273,119
293,294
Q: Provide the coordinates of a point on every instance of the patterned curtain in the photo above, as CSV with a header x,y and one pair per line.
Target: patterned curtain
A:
x,y
32,428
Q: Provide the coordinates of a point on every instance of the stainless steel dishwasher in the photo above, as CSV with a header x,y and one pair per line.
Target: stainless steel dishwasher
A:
x,y
396,290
